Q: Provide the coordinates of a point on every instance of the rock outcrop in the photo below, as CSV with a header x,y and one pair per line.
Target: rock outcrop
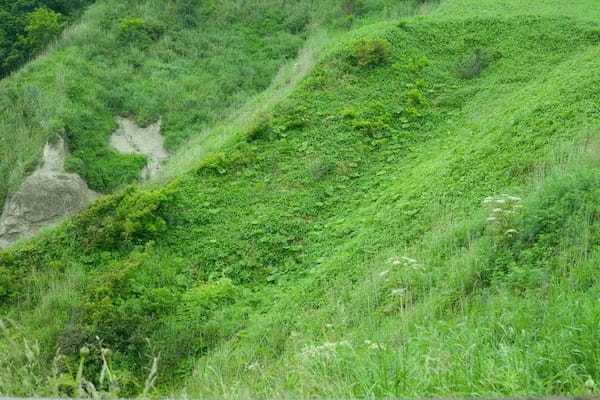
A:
x,y
46,196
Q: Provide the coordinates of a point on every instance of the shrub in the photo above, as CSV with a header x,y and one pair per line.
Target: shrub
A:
x,y
472,66
43,25
355,7
137,31
416,103
370,53
131,217
200,301
104,169
260,128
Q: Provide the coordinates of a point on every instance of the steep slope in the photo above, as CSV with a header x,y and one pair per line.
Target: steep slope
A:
x,y
418,218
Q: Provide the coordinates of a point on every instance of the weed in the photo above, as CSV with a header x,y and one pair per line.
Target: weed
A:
x,y
370,53
472,66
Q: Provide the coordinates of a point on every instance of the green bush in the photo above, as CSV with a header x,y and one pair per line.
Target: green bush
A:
x,y
43,25
370,53
472,66
104,169
221,163
131,217
523,241
139,32
416,103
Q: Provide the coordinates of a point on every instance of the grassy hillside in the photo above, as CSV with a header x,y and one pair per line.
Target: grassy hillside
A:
x,y
418,217
190,63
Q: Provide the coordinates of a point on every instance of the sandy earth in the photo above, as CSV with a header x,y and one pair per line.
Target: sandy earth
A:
x,y
131,138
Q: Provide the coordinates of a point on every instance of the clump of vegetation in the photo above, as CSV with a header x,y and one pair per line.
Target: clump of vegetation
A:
x,y
472,66
370,53
138,32
26,27
131,217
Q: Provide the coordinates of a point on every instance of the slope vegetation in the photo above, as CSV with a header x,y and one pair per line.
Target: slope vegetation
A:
x,y
418,218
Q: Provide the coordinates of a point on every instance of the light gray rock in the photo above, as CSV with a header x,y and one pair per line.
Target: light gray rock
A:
x,y
133,139
44,198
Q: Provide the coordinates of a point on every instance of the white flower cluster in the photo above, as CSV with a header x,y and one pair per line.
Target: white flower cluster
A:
x,y
404,262
502,208
326,350
253,366
374,346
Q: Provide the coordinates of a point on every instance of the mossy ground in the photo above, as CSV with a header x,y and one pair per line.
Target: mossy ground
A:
x,y
337,244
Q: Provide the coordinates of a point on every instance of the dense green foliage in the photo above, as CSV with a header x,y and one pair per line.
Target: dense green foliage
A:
x,y
26,26
417,218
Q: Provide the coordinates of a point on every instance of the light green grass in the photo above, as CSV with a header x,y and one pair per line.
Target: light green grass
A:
x,y
270,262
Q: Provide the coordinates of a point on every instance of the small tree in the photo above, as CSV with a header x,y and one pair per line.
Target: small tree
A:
x,y
43,25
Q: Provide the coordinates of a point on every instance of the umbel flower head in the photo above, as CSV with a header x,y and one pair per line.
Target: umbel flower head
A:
x,y
502,209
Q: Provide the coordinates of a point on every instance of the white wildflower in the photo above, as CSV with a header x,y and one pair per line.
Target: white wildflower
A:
x,y
393,261
327,350
511,232
253,366
376,346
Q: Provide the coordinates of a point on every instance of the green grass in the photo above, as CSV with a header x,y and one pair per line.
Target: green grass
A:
x,y
330,239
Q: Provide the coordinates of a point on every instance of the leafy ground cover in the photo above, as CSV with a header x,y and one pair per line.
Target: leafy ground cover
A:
x,y
418,217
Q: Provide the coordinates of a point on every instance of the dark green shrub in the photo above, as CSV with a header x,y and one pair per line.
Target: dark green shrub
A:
x,y
139,32
26,26
104,169
472,66
260,128
370,53
131,217
43,25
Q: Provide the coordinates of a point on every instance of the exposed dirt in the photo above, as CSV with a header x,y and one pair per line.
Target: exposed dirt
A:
x,y
46,196
131,138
